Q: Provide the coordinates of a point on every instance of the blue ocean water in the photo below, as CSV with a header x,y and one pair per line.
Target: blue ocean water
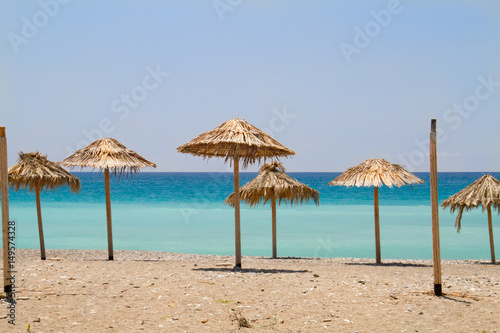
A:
x,y
184,212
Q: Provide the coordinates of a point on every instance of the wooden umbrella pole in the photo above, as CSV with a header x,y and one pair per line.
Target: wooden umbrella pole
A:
x,y
436,248
377,226
237,231
40,226
273,209
108,214
492,242
4,189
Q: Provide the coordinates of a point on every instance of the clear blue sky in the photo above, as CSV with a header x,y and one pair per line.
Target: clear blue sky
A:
x,y
338,82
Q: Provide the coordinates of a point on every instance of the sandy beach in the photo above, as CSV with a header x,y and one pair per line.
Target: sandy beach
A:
x,y
79,291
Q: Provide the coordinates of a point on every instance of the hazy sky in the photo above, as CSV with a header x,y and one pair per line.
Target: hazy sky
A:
x,y
338,82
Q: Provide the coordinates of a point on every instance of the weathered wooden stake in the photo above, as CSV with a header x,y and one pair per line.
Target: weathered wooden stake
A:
x,y
40,226
4,190
436,248
237,231
377,226
275,246
108,214
492,242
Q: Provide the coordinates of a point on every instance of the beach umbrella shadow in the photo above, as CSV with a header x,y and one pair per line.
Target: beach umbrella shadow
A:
x,y
376,172
271,184
108,154
35,172
251,270
236,140
485,192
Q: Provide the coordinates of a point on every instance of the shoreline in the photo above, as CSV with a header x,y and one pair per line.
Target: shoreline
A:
x,y
137,255
81,291
123,255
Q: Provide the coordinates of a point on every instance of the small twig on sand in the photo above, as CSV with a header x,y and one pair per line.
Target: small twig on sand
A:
x,y
240,319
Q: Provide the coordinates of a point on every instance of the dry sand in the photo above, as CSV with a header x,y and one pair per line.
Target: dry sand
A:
x,y
169,292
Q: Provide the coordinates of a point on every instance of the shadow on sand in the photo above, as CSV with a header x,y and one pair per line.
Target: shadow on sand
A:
x,y
388,264
288,258
249,270
458,299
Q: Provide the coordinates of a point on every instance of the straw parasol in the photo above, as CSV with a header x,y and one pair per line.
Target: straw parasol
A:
x,y
485,192
236,140
35,172
270,184
108,154
376,172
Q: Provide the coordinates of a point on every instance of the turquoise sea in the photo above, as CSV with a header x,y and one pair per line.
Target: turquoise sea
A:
x,y
184,212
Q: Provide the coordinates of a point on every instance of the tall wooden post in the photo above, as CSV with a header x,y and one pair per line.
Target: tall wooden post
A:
x,y
4,189
436,248
275,246
378,256
237,232
492,242
108,214
40,226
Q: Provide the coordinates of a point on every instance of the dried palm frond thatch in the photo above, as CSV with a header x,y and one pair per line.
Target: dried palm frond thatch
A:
x,y
485,192
235,136
376,172
35,172
271,184
233,140
108,154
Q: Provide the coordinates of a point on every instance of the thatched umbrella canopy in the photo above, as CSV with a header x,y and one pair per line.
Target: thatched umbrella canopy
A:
x,y
485,192
271,184
376,172
233,140
108,154
35,172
